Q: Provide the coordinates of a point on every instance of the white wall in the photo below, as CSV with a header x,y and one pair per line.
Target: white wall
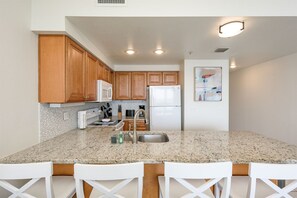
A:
x,y
18,74
205,115
263,98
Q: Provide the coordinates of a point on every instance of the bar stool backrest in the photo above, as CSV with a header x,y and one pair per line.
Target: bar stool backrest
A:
x,y
212,171
32,171
93,174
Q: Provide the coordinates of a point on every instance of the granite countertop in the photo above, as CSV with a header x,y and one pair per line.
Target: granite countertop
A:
x,y
92,145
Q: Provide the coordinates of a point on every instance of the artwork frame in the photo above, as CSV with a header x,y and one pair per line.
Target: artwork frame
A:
x,y
208,84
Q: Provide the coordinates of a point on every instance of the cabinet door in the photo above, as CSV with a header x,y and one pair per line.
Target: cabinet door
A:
x,y
170,78
100,70
74,72
90,78
123,86
106,74
138,89
52,68
112,73
154,78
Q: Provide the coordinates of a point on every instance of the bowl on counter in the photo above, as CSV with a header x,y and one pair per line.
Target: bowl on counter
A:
x,y
105,119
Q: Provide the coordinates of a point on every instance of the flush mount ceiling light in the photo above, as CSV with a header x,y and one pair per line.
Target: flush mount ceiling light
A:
x,y
230,29
233,66
130,52
158,51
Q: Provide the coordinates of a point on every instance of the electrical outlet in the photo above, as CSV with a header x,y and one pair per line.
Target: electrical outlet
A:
x,y
66,115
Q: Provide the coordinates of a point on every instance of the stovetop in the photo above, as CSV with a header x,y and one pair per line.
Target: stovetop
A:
x,y
111,122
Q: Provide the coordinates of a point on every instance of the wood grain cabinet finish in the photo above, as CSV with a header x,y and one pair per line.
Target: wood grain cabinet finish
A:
x,y
123,85
90,78
74,72
138,88
67,72
154,78
140,125
100,70
61,70
170,78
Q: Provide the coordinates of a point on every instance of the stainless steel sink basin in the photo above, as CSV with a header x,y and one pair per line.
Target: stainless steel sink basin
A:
x,y
153,138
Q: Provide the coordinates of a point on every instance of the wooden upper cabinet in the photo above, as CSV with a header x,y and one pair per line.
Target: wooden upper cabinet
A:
x,y
138,88
123,85
154,78
51,63
90,77
170,78
74,72
100,70
106,74
67,73
61,70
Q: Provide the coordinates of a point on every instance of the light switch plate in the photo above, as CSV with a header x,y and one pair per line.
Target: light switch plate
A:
x,y
66,115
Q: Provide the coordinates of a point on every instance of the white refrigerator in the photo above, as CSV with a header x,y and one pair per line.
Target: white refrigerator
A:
x,y
165,108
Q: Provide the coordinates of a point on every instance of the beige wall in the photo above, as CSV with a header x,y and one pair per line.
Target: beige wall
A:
x,y
18,74
263,98
205,115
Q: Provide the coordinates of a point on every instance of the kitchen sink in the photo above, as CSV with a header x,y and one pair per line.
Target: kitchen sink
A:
x,y
153,138
149,138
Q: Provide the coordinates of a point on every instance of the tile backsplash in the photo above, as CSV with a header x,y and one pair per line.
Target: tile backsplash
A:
x,y
52,121
127,104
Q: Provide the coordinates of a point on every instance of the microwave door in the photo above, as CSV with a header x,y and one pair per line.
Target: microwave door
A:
x,y
110,93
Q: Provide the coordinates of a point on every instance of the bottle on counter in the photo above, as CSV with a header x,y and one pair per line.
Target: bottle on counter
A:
x,y
120,112
121,138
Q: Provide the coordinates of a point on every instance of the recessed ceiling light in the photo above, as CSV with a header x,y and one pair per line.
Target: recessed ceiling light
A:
x,y
233,66
159,51
230,29
130,52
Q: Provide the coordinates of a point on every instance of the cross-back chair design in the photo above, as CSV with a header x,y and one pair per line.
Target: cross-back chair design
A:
x,y
32,171
183,172
96,175
265,172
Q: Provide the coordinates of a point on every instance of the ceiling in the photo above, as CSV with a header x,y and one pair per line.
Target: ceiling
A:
x,y
264,38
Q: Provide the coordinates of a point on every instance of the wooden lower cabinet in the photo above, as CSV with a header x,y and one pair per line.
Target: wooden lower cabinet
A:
x,y
140,125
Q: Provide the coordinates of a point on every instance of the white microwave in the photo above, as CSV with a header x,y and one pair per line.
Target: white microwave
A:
x,y
104,91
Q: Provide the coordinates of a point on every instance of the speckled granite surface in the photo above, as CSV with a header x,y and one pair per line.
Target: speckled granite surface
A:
x,y
93,146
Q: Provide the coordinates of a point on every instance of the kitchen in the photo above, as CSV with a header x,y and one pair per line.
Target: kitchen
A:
x,y
27,129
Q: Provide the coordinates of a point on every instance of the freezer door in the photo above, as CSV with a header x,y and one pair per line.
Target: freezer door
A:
x,y
165,96
165,118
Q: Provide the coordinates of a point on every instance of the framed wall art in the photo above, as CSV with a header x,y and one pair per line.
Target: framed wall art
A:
x,y
208,84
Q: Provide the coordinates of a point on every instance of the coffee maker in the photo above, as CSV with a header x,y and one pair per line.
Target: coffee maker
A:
x,y
141,114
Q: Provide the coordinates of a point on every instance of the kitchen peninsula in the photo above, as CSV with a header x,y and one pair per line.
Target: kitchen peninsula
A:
x,y
93,146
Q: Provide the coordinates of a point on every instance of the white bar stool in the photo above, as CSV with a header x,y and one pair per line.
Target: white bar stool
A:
x,y
116,180
258,184
190,179
42,184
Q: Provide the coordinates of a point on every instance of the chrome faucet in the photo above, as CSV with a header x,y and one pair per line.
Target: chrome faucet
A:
x,y
134,134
